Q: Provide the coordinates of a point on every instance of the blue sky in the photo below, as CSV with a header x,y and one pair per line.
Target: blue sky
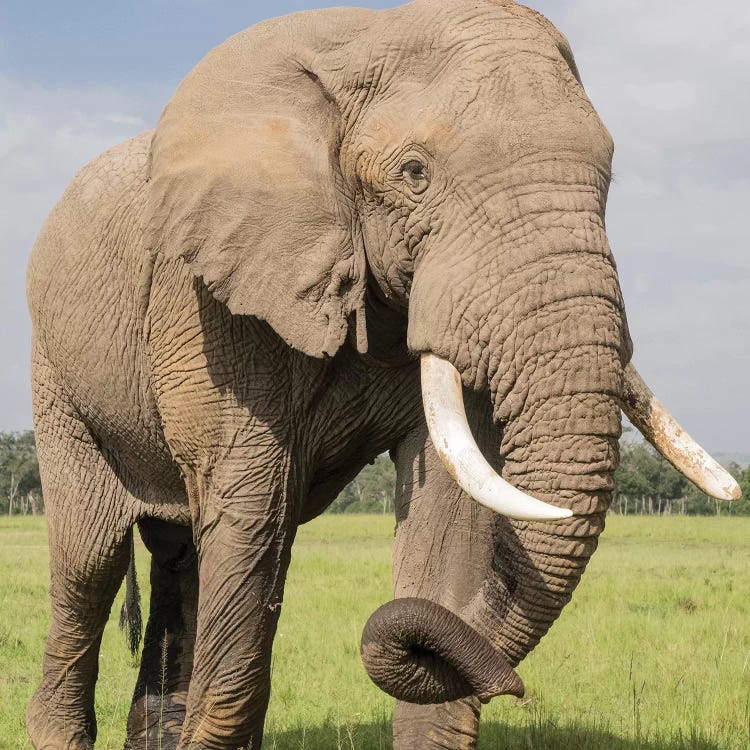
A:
x,y
84,43
670,79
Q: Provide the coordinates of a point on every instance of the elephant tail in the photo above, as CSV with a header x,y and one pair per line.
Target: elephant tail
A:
x,y
131,620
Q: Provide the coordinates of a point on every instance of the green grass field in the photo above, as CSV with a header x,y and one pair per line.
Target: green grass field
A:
x,y
653,653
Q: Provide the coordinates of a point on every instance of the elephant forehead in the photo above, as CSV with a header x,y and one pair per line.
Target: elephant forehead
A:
x,y
435,66
425,29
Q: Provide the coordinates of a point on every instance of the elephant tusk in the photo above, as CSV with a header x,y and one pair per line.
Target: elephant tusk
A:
x,y
443,403
665,434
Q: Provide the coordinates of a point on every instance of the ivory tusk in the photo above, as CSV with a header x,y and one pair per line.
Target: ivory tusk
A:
x,y
665,434
443,403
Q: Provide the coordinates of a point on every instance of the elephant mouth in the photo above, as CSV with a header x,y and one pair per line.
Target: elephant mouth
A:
x,y
418,651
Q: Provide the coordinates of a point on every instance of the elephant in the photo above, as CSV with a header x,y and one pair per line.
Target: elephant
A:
x,y
351,232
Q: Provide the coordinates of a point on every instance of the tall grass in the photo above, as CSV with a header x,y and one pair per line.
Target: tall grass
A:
x,y
653,653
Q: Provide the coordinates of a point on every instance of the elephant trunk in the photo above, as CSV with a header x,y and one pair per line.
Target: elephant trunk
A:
x,y
536,567
560,444
420,652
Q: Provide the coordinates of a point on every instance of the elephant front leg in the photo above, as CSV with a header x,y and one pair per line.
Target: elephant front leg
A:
x,y
244,550
158,709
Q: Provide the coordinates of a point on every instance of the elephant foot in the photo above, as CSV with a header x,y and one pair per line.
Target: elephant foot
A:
x,y
49,732
445,725
156,721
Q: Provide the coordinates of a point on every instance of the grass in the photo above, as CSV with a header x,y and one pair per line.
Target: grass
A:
x,y
652,654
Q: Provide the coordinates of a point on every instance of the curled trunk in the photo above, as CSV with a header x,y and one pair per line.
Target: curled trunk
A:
x,y
420,652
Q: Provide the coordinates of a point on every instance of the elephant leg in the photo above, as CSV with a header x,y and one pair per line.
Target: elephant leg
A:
x,y
157,712
438,555
244,551
449,726
89,542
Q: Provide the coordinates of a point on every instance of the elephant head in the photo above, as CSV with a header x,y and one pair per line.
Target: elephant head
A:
x,y
438,167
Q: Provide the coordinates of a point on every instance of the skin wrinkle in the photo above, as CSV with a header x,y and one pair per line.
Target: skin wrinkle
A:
x,y
516,330
548,326
510,323
529,406
531,361
554,447
521,435
510,241
521,221
538,316
532,406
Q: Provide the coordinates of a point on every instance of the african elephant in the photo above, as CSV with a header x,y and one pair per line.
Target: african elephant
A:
x,y
351,231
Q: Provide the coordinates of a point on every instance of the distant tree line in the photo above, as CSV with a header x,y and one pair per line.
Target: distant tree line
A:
x,y
371,491
645,483
20,486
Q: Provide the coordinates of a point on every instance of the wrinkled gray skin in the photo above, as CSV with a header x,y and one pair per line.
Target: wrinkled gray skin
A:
x,y
227,317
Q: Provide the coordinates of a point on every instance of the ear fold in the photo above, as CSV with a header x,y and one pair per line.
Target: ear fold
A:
x,y
246,187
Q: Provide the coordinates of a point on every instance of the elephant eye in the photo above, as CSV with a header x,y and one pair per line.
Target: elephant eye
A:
x,y
415,175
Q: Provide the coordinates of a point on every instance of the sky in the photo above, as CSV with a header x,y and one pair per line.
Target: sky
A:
x,y
670,79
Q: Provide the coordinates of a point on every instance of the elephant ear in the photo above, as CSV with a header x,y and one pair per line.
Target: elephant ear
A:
x,y
245,186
